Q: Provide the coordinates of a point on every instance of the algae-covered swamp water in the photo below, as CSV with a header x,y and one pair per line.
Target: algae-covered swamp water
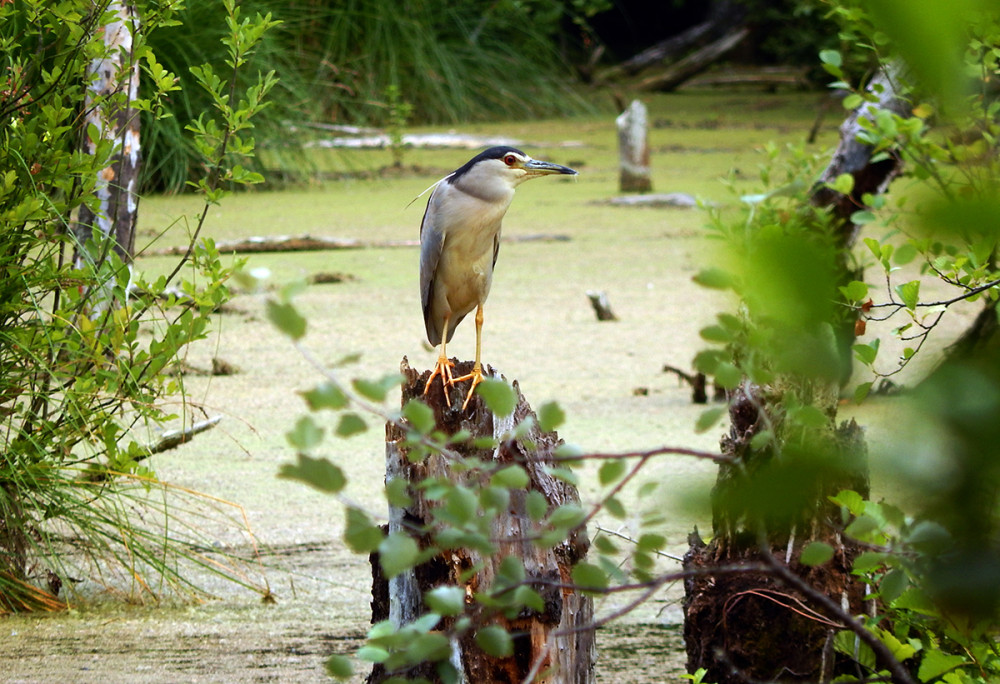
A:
x,y
540,330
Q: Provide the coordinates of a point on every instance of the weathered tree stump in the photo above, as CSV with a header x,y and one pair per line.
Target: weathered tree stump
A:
x,y
555,641
753,626
633,149
602,305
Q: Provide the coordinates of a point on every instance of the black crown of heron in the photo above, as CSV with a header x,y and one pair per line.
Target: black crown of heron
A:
x,y
459,243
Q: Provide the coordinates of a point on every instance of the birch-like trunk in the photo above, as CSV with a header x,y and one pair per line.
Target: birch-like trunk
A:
x,y
113,87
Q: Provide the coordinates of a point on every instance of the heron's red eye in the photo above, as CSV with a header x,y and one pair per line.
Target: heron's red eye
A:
x,y
509,160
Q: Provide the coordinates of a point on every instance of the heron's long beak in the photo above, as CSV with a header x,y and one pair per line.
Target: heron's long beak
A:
x,y
535,167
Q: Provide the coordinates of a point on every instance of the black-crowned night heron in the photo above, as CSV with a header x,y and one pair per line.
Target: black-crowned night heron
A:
x,y
459,242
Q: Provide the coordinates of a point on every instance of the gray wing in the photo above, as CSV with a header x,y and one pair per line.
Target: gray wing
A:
x,y
431,243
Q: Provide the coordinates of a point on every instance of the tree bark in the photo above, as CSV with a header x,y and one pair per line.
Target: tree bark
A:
x,y
752,626
544,641
109,112
854,156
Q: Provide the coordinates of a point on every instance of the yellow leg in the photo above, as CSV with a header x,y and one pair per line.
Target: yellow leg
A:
x,y
477,368
442,367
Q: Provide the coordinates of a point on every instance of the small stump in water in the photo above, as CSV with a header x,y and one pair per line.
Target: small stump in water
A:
x,y
547,645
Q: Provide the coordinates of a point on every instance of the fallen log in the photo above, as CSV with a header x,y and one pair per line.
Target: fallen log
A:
x,y
695,63
669,199
699,385
721,16
314,243
556,639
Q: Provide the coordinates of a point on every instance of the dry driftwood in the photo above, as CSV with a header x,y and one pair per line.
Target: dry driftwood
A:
x,y
313,243
555,639
699,385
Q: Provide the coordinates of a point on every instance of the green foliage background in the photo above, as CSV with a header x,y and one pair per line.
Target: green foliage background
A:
x,y
86,346
341,62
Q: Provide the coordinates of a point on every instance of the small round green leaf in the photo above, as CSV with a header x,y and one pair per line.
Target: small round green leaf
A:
x,y
445,600
589,577
360,534
350,424
651,541
339,667
495,641
536,505
372,654
816,553
714,278
708,418
419,415
500,397
376,390
397,553
611,471
615,507
286,318
325,395
306,435
831,57
315,472
512,477
550,416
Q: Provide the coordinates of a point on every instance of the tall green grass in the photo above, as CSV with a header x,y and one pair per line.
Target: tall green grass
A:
x,y
466,60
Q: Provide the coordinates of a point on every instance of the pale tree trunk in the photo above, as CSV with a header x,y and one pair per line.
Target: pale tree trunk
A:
x,y
633,149
113,86
555,645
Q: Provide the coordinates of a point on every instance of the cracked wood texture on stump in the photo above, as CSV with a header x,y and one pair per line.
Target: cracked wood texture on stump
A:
x,y
546,647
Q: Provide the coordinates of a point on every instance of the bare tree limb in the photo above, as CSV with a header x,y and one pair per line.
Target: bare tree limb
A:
x,y
694,63
174,438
